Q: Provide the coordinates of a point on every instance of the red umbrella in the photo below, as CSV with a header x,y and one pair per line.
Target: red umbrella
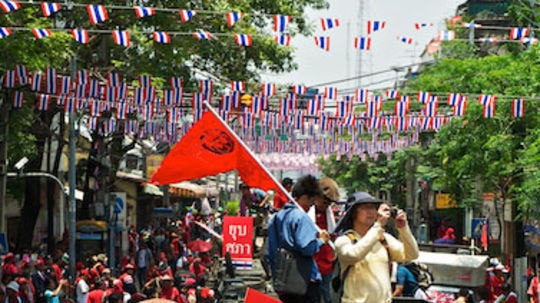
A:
x,y
199,246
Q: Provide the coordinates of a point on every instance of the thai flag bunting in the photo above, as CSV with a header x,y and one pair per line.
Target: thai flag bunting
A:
x,y
121,37
314,106
423,97
518,32
82,76
233,17
268,89
362,95
226,103
392,94
362,43
489,110
65,85
176,82
406,99
4,32
259,104
237,86
201,34
111,93
18,99
170,97
401,108
9,79
518,108
113,79
51,80
185,14
422,25
372,109
81,90
299,89
109,126
162,37
445,35
93,122
471,25
43,102
41,32
281,22
328,23
141,11
453,98
243,39
61,100
49,8
373,26
486,99
284,40
430,109
70,106
21,74
94,108
527,40
80,35
97,13
9,6
331,93
323,42
405,39
206,88
37,78
93,90
375,123
122,110
342,108
460,107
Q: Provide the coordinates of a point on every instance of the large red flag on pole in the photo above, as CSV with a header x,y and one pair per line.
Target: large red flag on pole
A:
x,y
210,148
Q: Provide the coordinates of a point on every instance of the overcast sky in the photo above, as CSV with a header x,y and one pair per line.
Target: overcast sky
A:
x,y
317,66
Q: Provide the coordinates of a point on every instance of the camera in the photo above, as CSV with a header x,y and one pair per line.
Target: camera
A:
x,y
393,212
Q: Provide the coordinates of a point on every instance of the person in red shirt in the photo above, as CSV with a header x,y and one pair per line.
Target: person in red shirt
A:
x,y
496,281
321,213
168,291
280,199
9,267
96,294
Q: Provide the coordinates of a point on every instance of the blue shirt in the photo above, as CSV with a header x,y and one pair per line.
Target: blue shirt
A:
x,y
51,298
406,278
292,229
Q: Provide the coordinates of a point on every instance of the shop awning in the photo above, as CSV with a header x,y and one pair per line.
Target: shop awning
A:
x,y
153,190
187,190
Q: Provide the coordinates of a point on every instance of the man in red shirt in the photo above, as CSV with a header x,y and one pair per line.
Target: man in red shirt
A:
x,y
323,216
96,294
168,291
9,267
280,199
496,281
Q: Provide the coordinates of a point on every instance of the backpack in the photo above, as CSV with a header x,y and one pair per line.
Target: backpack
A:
x,y
337,282
421,272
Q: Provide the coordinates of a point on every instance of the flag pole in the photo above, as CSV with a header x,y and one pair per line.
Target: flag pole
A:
x,y
280,186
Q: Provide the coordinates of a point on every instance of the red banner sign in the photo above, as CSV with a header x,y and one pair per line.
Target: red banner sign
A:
x,y
238,240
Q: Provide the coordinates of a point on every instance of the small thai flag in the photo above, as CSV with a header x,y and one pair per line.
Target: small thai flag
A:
x,y
421,25
97,13
328,23
82,77
93,91
489,110
284,40
488,40
65,85
281,22
51,80
237,86
4,32
518,108
446,35
176,82
362,43
162,37
113,79
405,39
330,93
122,110
528,40
21,74
204,35
518,33
362,95
49,8
233,17
323,42
141,11
36,81
401,109
460,107
299,89
423,97
485,99
392,94
43,102
41,32
121,37
185,14
373,26
268,89
9,6
145,81
18,99
80,35
243,39
430,109
453,98
9,78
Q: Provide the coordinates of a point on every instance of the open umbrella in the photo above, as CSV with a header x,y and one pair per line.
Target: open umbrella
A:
x,y
199,245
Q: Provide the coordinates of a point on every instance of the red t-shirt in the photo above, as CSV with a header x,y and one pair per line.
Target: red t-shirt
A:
x,y
325,257
495,285
280,200
170,294
95,296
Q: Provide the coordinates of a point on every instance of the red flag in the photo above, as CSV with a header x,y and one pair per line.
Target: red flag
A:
x,y
484,237
210,148
253,296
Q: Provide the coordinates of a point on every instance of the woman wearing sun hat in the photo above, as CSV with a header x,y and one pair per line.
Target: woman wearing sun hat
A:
x,y
368,249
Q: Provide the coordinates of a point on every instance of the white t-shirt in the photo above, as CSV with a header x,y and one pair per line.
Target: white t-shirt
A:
x,y
82,291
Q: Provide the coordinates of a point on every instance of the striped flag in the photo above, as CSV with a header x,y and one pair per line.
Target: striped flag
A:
x,y
37,78
323,42
518,108
185,14
362,43
9,6
40,33
422,25
203,35
328,23
281,22
424,97
331,93
49,8
243,39
80,35
460,107
233,17
446,35
21,74
373,26
121,37
362,95
392,94
268,89
162,37
299,89
43,102
405,39
18,99
453,98
284,40
141,11
97,13
237,86
4,32
9,78
518,32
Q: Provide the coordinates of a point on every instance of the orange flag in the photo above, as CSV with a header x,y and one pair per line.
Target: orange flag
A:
x,y
484,238
207,149
253,296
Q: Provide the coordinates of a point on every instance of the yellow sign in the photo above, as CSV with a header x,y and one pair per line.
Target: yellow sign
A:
x,y
444,201
246,99
152,164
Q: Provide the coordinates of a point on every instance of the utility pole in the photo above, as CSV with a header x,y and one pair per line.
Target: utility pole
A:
x,y
71,179
4,130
